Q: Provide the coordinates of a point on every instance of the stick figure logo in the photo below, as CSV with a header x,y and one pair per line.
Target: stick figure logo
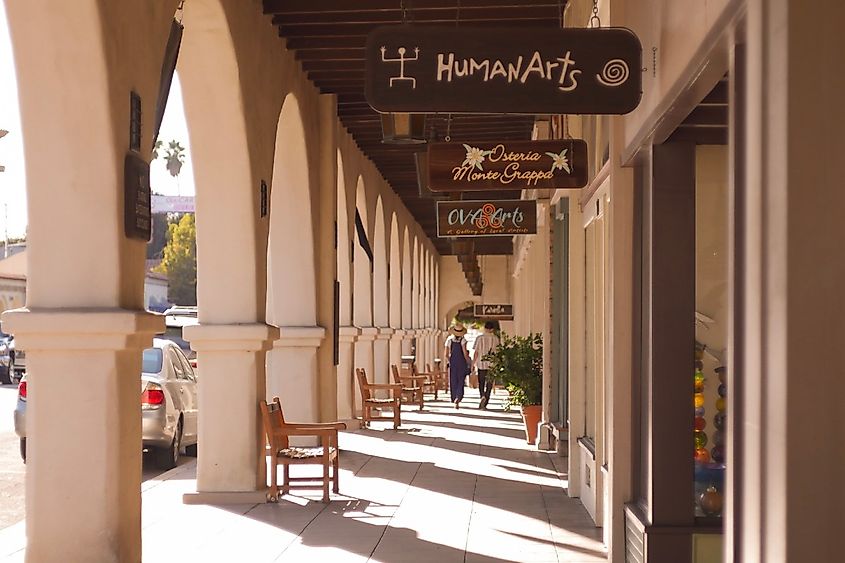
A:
x,y
401,59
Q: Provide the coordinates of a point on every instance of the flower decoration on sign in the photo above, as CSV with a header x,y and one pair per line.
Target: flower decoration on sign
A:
x,y
560,161
475,157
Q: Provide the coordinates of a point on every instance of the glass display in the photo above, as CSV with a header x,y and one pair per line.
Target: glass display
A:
x,y
709,449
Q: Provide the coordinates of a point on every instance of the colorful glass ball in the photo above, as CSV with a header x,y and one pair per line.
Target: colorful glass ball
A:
x,y
699,411
723,390
720,404
711,501
720,371
719,421
718,454
700,440
702,455
699,423
718,438
698,400
699,382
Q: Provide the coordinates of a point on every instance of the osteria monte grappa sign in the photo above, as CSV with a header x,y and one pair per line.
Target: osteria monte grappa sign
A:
x,y
503,70
507,165
486,218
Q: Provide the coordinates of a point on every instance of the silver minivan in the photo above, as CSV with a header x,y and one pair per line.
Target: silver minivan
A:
x,y
168,405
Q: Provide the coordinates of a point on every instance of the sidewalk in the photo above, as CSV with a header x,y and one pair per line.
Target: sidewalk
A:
x,y
450,486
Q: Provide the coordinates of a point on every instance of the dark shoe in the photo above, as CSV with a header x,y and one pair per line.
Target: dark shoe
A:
x,y
483,404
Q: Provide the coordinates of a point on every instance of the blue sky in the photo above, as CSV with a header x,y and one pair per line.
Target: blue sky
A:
x,y
13,180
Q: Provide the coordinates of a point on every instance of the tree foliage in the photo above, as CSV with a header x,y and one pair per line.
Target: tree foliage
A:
x,y
179,261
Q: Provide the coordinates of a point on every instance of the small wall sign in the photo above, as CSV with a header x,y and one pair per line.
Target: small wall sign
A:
x,y
494,311
509,165
503,70
486,218
137,214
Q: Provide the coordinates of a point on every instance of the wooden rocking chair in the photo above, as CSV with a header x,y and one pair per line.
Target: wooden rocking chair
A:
x,y
369,401
412,384
281,453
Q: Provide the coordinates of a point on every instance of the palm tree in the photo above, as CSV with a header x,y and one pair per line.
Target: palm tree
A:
x,y
174,154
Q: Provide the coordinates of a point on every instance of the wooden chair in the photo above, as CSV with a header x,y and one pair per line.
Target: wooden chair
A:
x,y
282,453
437,380
412,384
369,401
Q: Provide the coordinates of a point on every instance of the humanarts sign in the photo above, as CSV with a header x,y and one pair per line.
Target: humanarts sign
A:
x,y
509,165
503,70
486,218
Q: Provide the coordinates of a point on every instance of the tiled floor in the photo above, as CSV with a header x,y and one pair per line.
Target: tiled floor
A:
x,y
449,486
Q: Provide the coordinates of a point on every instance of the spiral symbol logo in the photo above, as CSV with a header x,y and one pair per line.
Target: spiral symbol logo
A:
x,y
614,73
487,218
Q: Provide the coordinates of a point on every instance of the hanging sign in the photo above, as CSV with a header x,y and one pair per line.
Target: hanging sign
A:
x,y
490,311
486,218
503,70
509,165
137,215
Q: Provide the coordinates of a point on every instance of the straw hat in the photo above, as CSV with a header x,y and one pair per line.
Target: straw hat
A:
x,y
457,329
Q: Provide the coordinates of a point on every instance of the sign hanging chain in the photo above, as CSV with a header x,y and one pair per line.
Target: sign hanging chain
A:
x,y
595,21
448,128
458,14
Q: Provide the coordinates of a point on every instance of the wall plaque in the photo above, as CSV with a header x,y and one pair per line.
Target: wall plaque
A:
x,y
137,214
486,218
503,70
509,165
494,311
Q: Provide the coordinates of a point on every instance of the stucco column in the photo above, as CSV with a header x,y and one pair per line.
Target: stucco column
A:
x,y
292,371
396,346
83,423
364,356
230,465
381,352
785,384
348,394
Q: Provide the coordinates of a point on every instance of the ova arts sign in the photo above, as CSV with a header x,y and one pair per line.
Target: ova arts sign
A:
x,y
508,165
503,70
486,218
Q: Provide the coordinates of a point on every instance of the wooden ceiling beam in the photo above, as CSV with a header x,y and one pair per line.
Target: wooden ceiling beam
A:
x,y
345,6
363,29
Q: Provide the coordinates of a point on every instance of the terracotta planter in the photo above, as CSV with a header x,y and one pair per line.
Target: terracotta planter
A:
x,y
531,417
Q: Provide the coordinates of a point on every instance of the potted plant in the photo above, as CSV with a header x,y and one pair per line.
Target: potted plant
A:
x,y
518,363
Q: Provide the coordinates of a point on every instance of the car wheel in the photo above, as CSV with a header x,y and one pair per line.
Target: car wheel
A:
x,y
23,449
168,458
191,451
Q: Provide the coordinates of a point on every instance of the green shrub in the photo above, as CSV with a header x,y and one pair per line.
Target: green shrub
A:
x,y
518,363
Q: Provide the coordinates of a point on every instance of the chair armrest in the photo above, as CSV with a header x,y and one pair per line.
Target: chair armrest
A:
x,y
317,425
295,431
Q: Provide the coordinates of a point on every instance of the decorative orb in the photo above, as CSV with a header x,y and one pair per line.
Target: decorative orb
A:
x,y
719,421
698,400
718,454
699,353
702,455
723,390
699,382
700,440
699,365
699,411
721,371
720,403
711,501
718,438
699,423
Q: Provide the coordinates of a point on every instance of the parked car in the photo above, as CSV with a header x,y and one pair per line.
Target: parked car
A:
x,y
168,405
6,369
17,361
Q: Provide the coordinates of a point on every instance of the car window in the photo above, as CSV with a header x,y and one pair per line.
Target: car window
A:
x,y
173,357
186,366
151,360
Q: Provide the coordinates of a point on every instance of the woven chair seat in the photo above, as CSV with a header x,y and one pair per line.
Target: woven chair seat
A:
x,y
415,389
303,453
379,401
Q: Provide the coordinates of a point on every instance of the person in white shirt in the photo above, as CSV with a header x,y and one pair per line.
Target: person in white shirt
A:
x,y
484,344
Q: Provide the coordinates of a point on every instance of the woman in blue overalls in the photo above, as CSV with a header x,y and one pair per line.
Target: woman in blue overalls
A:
x,y
458,358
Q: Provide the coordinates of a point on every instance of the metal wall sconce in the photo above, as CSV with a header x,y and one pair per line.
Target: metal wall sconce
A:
x,y
403,128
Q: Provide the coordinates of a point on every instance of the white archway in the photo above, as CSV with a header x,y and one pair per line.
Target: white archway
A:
x,y
344,266
380,271
362,298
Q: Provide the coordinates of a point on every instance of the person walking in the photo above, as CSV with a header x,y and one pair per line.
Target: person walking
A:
x,y
484,344
459,362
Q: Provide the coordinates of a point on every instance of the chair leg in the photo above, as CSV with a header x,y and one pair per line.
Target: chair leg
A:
x,y
274,476
326,480
286,485
397,421
336,467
